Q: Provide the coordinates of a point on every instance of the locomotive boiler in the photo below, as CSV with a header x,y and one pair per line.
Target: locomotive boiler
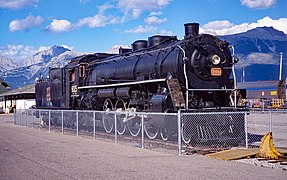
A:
x,y
161,74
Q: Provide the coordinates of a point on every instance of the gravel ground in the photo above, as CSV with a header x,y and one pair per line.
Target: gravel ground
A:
x,y
263,163
27,153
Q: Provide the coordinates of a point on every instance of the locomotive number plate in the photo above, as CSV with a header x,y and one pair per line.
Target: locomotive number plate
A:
x,y
216,71
74,89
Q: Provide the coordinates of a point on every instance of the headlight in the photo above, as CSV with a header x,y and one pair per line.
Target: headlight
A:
x,y
215,59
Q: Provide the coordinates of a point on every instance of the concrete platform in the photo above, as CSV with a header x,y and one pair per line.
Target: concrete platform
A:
x,y
27,153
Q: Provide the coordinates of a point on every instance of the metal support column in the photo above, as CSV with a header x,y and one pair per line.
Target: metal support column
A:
x,y
179,131
142,129
116,134
49,121
94,123
270,122
246,130
77,122
62,122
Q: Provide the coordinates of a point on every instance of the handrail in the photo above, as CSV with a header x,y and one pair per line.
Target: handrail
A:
x,y
184,59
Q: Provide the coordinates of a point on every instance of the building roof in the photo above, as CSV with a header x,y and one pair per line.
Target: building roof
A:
x,y
4,87
29,89
258,84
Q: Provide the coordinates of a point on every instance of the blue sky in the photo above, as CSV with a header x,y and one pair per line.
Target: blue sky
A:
x,y
97,25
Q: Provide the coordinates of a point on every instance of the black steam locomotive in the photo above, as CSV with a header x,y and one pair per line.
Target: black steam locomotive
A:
x,y
162,74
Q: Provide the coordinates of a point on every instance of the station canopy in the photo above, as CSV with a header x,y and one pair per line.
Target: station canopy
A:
x,y
25,92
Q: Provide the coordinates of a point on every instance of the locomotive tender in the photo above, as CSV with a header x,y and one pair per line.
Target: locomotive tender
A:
x,y
162,74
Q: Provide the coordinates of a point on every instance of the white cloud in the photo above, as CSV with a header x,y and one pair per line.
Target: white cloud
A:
x,y
262,4
134,8
17,4
256,58
129,9
158,13
261,58
151,21
154,20
25,24
279,24
165,32
17,52
225,27
92,22
84,1
104,7
142,29
217,25
57,26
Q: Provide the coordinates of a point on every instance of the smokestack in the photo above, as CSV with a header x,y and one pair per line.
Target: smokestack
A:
x,y
191,29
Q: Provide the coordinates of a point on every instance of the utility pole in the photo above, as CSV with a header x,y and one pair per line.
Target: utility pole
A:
x,y
280,66
243,74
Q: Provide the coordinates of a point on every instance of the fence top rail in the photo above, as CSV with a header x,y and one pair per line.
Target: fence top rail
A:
x,y
158,113
214,113
268,110
105,112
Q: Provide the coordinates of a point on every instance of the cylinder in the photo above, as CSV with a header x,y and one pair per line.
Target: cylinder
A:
x,y
123,92
106,93
191,29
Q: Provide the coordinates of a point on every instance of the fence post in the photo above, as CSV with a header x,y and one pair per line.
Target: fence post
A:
x,y
142,129
116,134
14,116
49,121
20,123
94,121
26,117
77,122
33,118
270,121
40,119
62,122
246,130
179,131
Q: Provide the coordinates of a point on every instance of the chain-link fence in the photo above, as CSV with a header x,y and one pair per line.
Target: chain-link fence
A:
x,y
163,131
261,122
214,128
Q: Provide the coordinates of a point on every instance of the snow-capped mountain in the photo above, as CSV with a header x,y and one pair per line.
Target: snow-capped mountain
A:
x,y
6,64
46,55
259,53
26,72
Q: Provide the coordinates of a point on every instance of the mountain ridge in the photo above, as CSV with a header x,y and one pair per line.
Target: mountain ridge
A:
x,y
37,65
265,33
